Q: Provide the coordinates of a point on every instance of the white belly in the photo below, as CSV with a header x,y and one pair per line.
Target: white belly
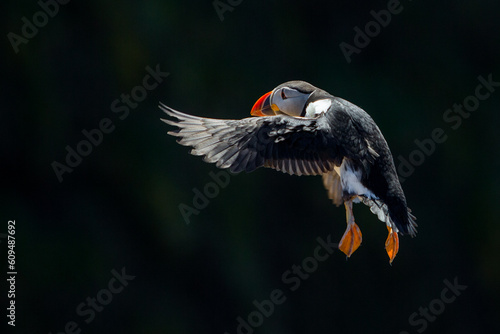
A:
x,y
350,178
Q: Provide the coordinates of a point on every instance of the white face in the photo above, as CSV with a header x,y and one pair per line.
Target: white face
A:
x,y
289,101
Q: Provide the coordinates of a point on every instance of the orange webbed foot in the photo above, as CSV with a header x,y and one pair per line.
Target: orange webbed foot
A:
x,y
351,239
392,244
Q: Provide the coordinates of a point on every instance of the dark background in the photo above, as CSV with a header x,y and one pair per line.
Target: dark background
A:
x,y
120,206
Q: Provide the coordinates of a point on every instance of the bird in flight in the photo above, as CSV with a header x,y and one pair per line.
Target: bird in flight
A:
x,y
300,129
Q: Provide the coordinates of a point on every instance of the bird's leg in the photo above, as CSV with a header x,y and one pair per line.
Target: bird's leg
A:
x,y
352,236
392,244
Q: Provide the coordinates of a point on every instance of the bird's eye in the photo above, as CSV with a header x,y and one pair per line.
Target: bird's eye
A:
x,y
283,96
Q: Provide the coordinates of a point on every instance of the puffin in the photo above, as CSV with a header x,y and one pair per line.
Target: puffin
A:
x,y
300,129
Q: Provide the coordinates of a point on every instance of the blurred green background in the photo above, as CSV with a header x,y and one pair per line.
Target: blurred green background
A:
x,y
119,208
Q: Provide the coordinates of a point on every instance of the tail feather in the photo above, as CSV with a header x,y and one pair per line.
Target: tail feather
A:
x,y
401,217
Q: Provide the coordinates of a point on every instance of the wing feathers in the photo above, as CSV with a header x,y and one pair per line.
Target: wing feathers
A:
x,y
284,143
331,181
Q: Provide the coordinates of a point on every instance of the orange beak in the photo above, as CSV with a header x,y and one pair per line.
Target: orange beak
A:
x,y
263,107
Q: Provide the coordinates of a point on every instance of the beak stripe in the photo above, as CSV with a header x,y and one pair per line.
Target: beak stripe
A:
x,y
262,106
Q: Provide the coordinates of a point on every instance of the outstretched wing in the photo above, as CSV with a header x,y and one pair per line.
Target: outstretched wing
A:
x,y
297,146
